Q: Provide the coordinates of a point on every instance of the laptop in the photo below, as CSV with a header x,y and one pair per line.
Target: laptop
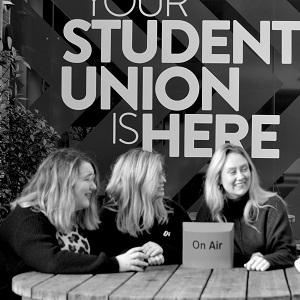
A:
x,y
208,245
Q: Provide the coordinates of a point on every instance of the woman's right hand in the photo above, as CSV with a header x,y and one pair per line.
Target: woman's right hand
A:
x,y
297,264
257,262
132,260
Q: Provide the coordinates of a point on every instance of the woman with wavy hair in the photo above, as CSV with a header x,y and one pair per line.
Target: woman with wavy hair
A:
x,y
136,213
46,229
263,237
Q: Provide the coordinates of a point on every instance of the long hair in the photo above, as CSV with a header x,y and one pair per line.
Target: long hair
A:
x,y
51,191
132,190
215,194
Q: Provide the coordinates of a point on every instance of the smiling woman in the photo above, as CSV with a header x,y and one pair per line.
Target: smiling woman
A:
x,y
55,212
84,186
236,176
263,236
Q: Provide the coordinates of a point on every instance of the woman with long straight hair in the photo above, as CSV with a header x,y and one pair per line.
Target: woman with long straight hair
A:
x,y
263,237
136,211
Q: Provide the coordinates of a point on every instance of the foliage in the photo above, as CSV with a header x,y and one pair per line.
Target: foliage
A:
x,y
9,61
25,138
78,133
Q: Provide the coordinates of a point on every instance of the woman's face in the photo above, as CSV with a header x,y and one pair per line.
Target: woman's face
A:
x,y
236,176
161,185
84,186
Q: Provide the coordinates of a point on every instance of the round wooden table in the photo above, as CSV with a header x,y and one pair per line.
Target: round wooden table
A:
x,y
162,283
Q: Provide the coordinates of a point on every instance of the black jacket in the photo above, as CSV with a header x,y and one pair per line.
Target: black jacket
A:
x,y
273,237
169,236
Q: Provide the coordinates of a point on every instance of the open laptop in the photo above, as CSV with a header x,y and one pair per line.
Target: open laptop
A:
x,y
208,245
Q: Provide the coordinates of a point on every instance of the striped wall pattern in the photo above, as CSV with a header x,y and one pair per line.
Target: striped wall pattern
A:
x,y
264,89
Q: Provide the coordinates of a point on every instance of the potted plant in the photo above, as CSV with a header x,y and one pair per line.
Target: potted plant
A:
x,y
25,137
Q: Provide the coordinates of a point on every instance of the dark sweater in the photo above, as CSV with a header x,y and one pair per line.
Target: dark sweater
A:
x,y
273,237
28,243
168,236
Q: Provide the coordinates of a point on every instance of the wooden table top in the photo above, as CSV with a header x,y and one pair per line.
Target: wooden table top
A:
x,y
162,283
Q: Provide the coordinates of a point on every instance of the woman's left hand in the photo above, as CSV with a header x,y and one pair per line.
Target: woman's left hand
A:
x,y
156,260
257,262
152,249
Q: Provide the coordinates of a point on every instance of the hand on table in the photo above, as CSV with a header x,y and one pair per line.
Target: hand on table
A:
x,y
132,260
257,262
297,264
154,253
156,260
152,249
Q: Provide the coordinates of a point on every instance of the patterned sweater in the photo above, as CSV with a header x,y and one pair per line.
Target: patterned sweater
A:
x,y
28,243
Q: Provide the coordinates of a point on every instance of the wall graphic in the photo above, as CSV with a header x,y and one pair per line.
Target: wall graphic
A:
x,y
180,77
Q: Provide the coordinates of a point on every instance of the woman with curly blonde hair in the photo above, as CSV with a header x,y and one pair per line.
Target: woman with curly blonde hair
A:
x,y
48,226
136,212
232,193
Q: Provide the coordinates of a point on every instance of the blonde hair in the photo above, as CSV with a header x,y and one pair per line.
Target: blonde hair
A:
x,y
215,194
51,192
132,189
